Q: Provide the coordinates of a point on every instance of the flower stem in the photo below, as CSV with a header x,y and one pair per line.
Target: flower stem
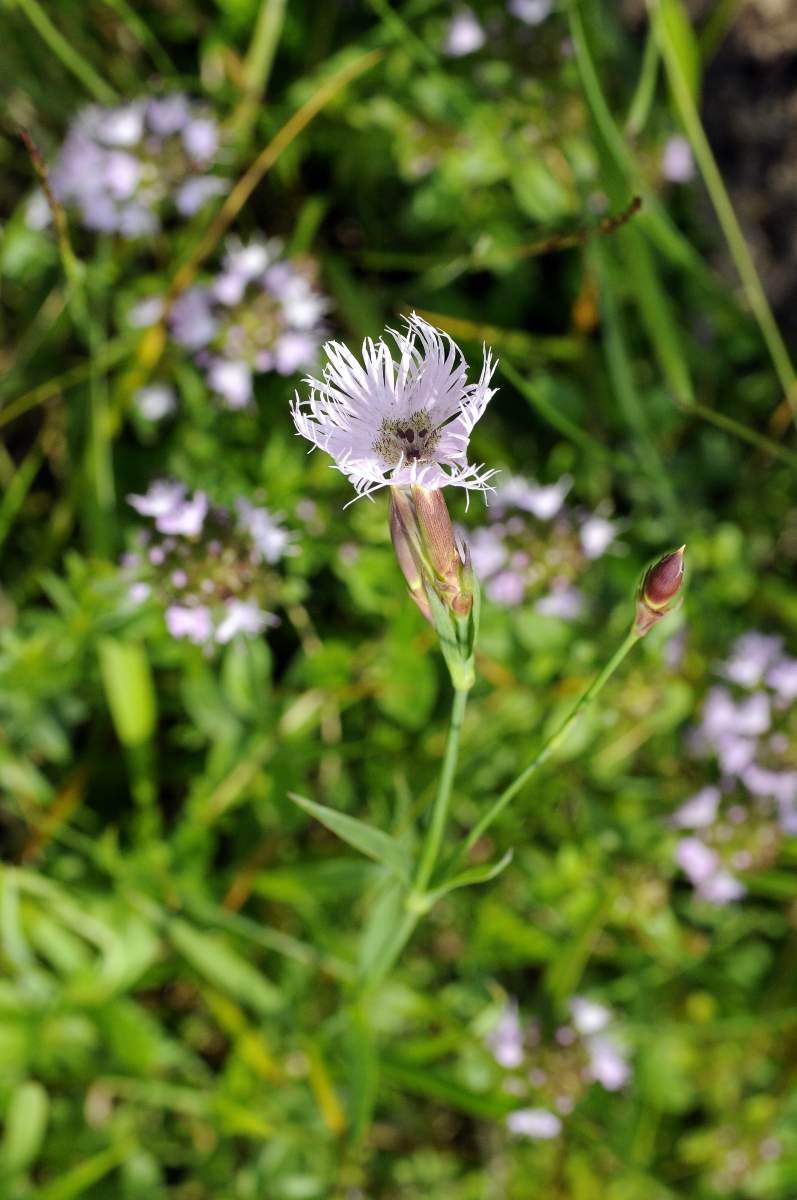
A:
x,y
434,834
415,901
547,748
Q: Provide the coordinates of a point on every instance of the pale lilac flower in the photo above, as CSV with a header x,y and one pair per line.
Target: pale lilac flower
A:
x,y
261,313
162,497
537,1123
396,422
232,381
597,534
242,616
191,319
122,169
608,1065
488,551
507,588
752,654
271,539
700,811
563,601
677,163
139,592
721,888
155,401
696,860
194,194
506,1039
530,12
588,1016
782,678
194,624
464,34
542,501
146,312
186,518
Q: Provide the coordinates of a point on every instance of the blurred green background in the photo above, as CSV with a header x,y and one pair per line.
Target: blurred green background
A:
x,y
181,945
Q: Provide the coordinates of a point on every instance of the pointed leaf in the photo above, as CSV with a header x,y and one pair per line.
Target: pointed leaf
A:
x,y
472,875
362,837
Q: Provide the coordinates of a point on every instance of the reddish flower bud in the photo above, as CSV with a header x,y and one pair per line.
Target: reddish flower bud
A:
x,y
404,535
659,590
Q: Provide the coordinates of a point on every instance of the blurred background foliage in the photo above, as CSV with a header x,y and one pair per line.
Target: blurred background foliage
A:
x,y
179,943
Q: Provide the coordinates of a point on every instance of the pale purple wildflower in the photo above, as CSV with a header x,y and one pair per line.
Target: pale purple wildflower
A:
x,y
696,860
608,1064
588,1016
272,541
752,655
506,1039
155,401
211,568
242,616
677,163
506,588
172,510
597,534
537,1123
782,678
703,867
194,624
397,422
530,12
464,35
261,313
699,811
123,168
563,601
542,501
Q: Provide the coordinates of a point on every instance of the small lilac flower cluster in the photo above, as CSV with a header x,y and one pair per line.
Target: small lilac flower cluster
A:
x,y
122,168
533,548
261,313
555,1073
466,33
205,564
747,728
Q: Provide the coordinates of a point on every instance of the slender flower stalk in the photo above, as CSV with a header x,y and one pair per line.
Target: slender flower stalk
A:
x,y
657,596
553,742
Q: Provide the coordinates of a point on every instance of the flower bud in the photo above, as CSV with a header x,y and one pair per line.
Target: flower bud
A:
x,y
403,532
451,576
659,590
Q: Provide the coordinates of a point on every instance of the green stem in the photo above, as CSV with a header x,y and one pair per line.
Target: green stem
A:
x,y
548,747
434,834
690,118
257,67
416,906
62,49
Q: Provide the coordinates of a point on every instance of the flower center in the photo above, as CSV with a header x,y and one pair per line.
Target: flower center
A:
x,y
412,438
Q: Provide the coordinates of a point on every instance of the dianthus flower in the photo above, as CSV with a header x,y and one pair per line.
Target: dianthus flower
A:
x,y
400,418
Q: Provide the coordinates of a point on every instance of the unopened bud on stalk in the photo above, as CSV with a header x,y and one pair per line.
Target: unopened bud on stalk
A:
x,y
451,579
427,551
659,590
403,532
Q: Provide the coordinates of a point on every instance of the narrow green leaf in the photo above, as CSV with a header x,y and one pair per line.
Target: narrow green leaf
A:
x,y
372,842
681,36
472,875
25,1126
222,966
422,1081
79,1179
127,680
